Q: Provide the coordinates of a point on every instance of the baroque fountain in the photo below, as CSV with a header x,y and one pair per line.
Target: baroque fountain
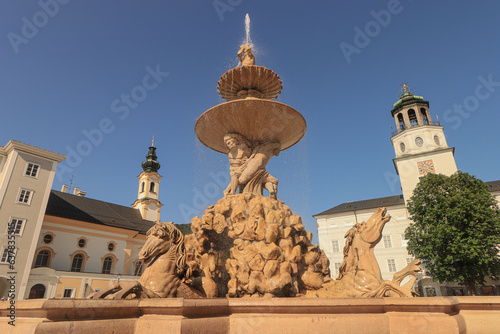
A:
x,y
248,250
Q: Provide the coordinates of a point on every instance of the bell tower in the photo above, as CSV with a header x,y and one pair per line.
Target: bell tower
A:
x,y
419,142
149,185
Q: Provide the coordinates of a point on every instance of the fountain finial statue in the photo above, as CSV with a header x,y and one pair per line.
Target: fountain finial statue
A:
x,y
246,56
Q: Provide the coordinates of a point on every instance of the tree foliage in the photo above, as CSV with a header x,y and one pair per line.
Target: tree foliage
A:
x,y
455,228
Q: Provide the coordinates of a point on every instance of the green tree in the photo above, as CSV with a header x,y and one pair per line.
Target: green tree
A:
x,y
455,229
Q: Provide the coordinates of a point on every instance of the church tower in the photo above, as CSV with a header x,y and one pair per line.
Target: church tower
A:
x,y
419,143
149,185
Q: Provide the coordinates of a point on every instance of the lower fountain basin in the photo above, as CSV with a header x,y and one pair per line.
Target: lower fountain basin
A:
x,y
256,119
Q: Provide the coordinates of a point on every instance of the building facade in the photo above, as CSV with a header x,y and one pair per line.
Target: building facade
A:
x,y
420,147
26,176
67,245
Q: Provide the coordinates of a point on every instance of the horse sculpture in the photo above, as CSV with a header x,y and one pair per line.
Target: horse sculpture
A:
x,y
359,273
166,269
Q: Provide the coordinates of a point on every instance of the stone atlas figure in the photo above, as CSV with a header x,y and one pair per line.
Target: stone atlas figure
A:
x,y
247,166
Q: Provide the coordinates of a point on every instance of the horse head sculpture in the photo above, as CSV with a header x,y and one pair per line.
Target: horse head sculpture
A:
x,y
165,256
164,238
371,230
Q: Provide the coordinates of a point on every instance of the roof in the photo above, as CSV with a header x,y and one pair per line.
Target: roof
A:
x,y
366,204
493,186
90,210
384,201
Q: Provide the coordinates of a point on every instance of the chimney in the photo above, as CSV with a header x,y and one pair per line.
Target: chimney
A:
x,y
76,191
81,193
64,188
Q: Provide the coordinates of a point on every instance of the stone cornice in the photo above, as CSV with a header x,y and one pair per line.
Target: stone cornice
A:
x,y
22,147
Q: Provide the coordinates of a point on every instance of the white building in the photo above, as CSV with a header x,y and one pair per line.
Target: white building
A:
x,y
420,147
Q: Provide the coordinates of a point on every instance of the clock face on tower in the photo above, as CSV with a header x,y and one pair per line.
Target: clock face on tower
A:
x,y
425,167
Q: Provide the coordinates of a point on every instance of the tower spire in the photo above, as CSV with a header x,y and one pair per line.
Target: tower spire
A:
x,y
149,185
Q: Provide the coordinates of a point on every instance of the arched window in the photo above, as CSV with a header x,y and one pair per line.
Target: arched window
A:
x,y
413,117
401,122
106,265
42,259
138,268
142,187
424,116
37,291
77,263
152,187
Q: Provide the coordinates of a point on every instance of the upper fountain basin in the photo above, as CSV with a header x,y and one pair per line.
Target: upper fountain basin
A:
x,y
249,81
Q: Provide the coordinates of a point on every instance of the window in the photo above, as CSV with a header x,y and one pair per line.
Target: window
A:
x,y
387,241
413,117
152,187
335,246
77,263
111,246
42,259
391,264
106,265
142,187
82,242
7,256
138,268
25,196
404,242
337,268
401,122
32,169
16,226
69,292
424,116
37,291
48,238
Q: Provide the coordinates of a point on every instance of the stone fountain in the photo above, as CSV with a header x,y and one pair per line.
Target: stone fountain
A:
x,y
251,245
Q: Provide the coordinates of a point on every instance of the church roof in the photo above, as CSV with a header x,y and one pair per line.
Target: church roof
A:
x,y
90,210
384,201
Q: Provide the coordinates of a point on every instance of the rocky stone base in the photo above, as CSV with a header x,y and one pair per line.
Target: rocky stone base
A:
x,y
251,246
262,315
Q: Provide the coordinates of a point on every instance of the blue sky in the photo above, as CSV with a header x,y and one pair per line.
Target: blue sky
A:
x,y
65,69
